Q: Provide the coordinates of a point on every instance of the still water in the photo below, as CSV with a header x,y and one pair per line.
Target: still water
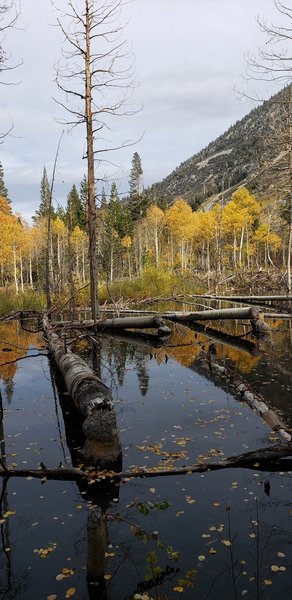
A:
x,y
216,534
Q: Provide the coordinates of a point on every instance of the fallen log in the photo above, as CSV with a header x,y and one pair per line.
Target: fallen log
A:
x,y
225,338
93,400
272,458
247,394
213,315
277,298
152,322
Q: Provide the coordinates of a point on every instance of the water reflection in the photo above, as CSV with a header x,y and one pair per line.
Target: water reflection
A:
x,y
167,411
14,344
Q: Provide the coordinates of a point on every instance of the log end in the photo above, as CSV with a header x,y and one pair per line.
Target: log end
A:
x,y
102,446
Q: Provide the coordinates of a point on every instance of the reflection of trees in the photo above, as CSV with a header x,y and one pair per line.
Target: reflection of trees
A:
x,y
14,343
141,362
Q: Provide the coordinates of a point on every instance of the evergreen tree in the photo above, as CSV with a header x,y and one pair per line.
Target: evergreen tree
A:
x,y
117,215
75,209
83,193
45,198
3,188
135,202
103,202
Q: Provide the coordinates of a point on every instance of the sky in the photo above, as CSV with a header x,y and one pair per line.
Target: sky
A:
x,y
189,62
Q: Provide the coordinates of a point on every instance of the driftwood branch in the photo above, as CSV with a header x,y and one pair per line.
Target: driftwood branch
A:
x,y
271,458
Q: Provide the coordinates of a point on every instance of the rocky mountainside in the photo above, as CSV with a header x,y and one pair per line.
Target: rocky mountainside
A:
x,y
243,155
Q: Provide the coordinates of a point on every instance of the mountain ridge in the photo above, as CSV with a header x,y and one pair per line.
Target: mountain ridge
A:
x,y
239,156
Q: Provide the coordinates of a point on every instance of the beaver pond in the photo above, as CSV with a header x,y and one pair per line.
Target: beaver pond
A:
x,y
204,535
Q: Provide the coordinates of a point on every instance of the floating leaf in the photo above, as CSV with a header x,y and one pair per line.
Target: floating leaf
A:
x,y
275,568
152,490
178,588
212,551
70,592
106,577
201,557
52,597
268,582
226,542
281,554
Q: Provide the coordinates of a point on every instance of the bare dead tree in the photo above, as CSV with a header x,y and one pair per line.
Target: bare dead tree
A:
x,y
96,75
9,14
273,63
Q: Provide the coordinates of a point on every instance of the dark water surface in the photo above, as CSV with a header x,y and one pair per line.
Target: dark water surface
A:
x,y
217,534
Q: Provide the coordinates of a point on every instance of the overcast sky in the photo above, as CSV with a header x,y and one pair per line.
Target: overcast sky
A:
x,y
189,57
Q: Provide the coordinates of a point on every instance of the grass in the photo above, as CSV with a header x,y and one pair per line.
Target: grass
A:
x,y
153,282
28,300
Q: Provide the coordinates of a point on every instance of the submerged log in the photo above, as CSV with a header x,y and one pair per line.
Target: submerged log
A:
x,y
92,398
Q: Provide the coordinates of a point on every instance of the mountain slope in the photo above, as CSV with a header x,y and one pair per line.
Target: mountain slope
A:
x,y
238,157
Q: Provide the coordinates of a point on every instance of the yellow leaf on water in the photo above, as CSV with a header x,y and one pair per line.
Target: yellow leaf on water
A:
x,y
281,554
106,577
275,568
70,592
216,503
226,542
178,588
268,582
201,557
52,597
212,551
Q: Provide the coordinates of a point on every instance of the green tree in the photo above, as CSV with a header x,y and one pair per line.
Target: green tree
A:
x,y
45,198
135,184
83,193
76,209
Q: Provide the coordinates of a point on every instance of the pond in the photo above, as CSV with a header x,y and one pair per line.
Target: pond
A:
x,y
202,535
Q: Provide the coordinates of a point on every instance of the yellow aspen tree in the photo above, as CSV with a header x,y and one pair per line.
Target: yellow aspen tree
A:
x,y
180,223
155,221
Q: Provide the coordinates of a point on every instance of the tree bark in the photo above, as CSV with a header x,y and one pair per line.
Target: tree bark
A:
x,y
94,401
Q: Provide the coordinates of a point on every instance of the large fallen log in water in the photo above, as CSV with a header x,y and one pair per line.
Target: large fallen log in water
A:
x,y
213,315
152,322
92,398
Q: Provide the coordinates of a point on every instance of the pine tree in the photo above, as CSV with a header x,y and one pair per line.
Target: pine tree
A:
x,y
103,202
135,183
3,188
83,193
45,198
76,209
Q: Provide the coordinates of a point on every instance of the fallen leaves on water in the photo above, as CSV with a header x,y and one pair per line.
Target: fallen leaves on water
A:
x,y
45,552
178,588
70,592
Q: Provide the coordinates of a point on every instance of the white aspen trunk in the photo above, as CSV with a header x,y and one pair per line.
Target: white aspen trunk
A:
x,y
83,263
30,271
15,270
111,263
289,248
234,249
240,247
156,245
21,273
